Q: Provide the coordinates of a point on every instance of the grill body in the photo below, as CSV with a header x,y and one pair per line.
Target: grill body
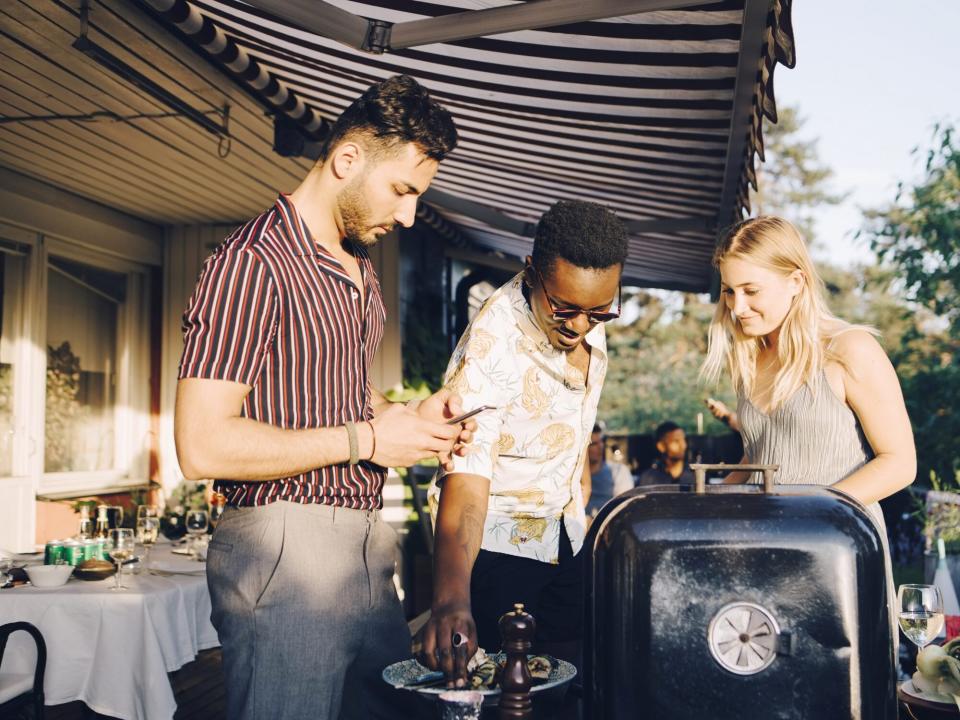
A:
x,y
737,604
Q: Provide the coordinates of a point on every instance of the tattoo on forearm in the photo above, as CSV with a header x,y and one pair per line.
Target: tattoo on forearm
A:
x,y
470,531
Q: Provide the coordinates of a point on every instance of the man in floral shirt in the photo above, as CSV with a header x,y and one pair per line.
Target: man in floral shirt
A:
x,y
511,513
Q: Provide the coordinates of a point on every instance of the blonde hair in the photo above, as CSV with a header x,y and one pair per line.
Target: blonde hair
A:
x,y
804,342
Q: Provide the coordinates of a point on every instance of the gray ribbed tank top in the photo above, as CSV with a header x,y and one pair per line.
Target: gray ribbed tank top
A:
x,y
813,437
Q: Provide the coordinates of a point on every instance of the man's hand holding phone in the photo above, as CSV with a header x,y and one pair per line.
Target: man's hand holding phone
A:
x,y
447,407
467,415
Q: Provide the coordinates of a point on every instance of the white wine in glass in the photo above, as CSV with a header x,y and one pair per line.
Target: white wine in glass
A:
x,y
920,613
121,550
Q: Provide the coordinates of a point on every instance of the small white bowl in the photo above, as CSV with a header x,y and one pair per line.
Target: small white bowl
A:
x,y
48,575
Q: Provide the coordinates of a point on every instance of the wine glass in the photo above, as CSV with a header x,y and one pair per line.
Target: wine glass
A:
x,y
114,516
6,565
121,549
217,504
148,528
197,523
920,613
147,511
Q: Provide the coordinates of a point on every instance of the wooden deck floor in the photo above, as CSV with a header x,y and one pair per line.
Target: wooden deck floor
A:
x,y
198,688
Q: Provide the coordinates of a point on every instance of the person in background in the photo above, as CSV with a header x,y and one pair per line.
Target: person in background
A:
x,y
511,519
671,464
274,401
607,479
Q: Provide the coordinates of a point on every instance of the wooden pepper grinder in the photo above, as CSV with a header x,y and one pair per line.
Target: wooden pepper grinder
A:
x,y
517,630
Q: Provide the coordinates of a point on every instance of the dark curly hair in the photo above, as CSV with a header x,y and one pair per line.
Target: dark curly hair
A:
x,y
664,429
582,233
394,112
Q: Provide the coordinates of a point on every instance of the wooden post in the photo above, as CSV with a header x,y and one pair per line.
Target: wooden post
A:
x,y
517,630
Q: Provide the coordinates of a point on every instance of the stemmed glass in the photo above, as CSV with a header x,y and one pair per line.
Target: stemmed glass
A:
x,y
217,504
920,613
197,523
121,549
6,565
148,528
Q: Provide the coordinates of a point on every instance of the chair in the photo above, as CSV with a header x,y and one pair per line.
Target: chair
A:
x,y
16,689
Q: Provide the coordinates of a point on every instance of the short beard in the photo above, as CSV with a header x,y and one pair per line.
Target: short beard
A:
x,y
355,214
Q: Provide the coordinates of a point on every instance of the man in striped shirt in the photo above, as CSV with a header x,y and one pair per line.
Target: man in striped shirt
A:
x,y
275,402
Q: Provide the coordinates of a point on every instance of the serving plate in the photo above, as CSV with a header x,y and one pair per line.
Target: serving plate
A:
x,y
944,702
409,672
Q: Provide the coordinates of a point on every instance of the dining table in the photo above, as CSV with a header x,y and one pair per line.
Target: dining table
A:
x,y
113,649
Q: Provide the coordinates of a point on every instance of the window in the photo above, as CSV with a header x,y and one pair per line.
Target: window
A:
x,y
74,369
82,321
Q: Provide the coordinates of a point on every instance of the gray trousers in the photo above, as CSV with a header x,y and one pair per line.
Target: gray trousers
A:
x,y
307,613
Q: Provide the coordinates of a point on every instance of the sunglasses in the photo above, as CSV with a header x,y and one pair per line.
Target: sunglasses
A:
x,y
564,314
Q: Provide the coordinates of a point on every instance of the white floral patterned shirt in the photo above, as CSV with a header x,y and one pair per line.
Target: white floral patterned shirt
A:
x,y
534,445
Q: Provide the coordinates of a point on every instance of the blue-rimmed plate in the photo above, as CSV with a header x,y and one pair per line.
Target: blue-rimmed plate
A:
x,y
409,672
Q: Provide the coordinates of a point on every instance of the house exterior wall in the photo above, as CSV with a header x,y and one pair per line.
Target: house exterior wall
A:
x,y
49,221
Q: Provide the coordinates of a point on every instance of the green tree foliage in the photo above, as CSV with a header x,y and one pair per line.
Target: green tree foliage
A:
x,y
918,236
920,232
64,409
654,364
792,181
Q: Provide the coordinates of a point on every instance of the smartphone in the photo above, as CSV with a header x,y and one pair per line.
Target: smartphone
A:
x,y
476,411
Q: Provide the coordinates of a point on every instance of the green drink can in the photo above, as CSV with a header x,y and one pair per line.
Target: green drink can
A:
x,y
53,552
92,549
73,553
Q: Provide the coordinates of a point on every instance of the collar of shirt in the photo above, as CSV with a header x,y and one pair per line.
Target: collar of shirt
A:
x,y
301,242
596,337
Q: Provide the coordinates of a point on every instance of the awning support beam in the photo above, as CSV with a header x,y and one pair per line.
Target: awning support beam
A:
x,y
748,68
522,16
378,36
321,18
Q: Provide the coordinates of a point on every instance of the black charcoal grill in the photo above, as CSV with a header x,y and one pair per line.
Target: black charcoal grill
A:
x,y
737,602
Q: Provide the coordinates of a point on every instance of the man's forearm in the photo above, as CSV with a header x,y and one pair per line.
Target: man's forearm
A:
x,y
463,510
456,552
244,449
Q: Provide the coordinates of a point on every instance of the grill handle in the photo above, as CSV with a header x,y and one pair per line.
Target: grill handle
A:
x,y
700,474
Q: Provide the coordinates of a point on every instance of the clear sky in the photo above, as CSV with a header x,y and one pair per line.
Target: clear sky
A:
x,y
872,77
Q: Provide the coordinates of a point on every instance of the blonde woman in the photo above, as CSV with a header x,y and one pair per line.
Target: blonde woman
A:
x,y
817,395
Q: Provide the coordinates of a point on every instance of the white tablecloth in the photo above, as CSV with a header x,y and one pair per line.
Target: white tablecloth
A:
x,y
113,649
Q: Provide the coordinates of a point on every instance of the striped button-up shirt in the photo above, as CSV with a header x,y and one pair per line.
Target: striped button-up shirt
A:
x,y
274,310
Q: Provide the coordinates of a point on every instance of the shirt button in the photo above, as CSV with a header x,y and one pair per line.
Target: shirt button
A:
x,y
354,294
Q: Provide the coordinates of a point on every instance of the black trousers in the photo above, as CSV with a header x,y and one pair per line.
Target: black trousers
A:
x,y
553,594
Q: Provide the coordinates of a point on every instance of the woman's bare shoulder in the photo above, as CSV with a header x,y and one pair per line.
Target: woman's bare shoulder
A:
x,y
853,342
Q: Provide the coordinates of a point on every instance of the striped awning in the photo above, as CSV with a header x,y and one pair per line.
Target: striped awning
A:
x,y
656,114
